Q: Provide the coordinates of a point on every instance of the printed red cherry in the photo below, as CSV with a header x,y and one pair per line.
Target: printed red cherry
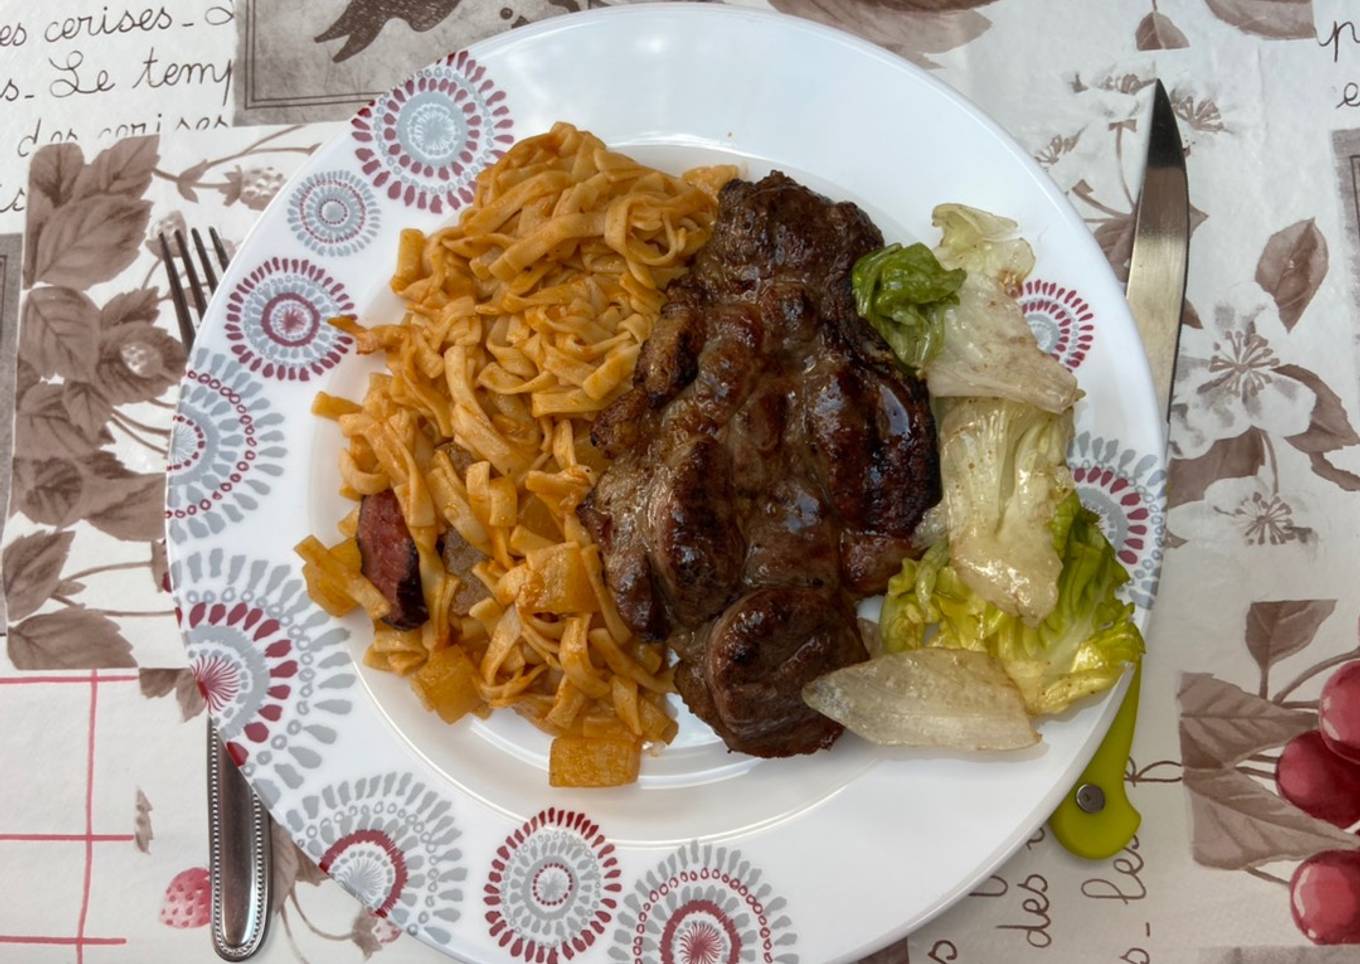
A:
x,y
1317,781
1339,711
1325,897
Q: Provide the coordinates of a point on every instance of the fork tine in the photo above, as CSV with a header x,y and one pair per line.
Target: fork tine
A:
x,y
221,248
204,260
194,284
186,324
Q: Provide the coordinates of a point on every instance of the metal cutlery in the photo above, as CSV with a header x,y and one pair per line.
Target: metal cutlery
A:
x,y
239,858
1095,819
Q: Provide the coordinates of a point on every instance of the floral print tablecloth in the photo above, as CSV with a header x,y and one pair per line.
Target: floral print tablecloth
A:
x,y
1248,850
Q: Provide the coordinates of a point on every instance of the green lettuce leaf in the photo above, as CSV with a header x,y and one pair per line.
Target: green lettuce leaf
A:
x,y
901,291
1079,649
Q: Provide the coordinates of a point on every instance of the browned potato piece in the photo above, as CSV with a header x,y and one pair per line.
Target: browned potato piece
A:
x,y
558,581
578,761
325,593
595,728
447,684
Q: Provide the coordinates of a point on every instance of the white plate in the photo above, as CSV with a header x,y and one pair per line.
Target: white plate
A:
x,y
452,832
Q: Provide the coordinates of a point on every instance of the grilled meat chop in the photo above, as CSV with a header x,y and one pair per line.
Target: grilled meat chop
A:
x,y
770,463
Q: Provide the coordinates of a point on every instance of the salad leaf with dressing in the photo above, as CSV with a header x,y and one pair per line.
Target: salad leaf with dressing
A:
x,y
1079,649
1004,471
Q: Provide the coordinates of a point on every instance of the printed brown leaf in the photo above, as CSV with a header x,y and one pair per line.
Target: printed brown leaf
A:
x,y
187,178
157,682
41,424
135,509
909,28
1115,237
88,409
48,491
1239,823
54,172
125,168
189,695
1292,267
141,824
1329,428
90,240
1157,32
72,638
1277,630
160,566
130,306
1222,724
1229,458
32,568
59,334
1273,19
1325,469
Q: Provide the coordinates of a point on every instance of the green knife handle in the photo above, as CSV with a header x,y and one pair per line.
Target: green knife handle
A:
x,y
1103,833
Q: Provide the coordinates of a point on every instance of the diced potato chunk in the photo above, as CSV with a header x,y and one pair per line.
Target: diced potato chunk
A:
x,y
602,727
325,593
447,684
558,581
578,761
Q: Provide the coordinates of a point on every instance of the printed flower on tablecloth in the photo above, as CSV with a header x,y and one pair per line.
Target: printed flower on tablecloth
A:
x,y
274,671
704,904
1227,377
1250,505
390,840
1242,404
552,888
1082,149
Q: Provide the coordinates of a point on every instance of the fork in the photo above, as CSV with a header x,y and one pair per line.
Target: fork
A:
x,y
239,828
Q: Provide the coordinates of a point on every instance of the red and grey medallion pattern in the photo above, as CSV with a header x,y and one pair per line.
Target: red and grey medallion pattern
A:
x,y
1062,321
424,142
226,447
273,668
1128,491
333,213
704,904
390,840
277,320
553,887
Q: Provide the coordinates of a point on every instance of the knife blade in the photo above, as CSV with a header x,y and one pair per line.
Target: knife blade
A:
x,y
1095,820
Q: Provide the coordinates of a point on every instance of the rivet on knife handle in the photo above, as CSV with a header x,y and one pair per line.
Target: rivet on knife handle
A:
x,y
1095,820
239,861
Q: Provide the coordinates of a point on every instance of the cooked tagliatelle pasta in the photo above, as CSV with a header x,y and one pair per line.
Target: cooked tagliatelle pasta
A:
x,y
522,322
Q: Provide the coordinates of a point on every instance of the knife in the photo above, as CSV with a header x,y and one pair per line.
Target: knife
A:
x,y
1095,820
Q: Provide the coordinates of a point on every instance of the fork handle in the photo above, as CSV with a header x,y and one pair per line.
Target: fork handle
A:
x,y
239,859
